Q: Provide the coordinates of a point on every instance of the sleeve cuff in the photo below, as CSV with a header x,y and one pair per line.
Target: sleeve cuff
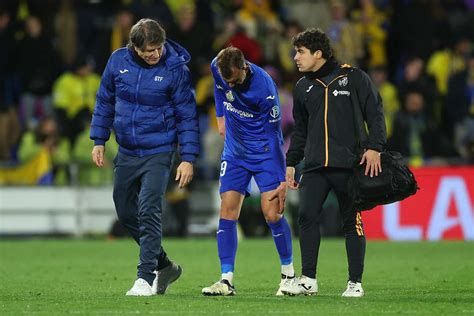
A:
x,y
188,157
290,163
99,142
375,147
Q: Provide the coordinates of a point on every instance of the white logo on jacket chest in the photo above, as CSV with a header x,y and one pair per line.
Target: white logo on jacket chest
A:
x,y
122,71
158,78
343,82
341,92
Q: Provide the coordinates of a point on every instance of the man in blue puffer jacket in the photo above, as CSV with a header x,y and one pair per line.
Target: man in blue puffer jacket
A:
x,y
147,98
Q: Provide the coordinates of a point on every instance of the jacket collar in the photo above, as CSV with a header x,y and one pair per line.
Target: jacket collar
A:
x,y
329,66
143,63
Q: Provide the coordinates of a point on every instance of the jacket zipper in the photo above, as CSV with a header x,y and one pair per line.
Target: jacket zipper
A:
x,y
326,132
135,111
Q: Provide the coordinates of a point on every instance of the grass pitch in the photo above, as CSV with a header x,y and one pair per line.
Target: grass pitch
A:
x,y
57,277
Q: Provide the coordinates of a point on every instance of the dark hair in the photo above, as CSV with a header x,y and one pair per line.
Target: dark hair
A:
x,y
314,39
146,32
230,57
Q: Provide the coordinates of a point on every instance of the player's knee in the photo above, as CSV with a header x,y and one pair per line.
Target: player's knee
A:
x,y
229,213
272,217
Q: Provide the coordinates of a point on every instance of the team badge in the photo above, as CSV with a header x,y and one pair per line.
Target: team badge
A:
x,y
343,82
275,112
229,96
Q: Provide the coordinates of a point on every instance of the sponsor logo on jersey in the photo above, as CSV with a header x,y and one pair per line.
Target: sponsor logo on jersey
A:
x,y
158,78
341,92
241,113
122,71
229,96
309,88
343,82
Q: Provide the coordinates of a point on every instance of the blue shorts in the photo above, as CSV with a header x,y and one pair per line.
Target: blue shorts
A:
x,y
235,175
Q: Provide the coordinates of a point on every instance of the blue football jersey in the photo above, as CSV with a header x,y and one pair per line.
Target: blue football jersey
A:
x,y
252,116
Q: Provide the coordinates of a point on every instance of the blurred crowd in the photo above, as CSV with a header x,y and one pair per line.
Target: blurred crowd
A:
x,y
419,53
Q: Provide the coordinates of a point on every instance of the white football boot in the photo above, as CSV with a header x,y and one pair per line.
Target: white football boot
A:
x,y
220,288
285,282
302,285
354,289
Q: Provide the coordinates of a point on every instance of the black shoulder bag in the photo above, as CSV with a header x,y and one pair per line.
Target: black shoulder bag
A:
x,y
395,183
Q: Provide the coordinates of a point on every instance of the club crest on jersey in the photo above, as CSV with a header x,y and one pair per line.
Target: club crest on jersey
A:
x,y
229,96
275,112
343,82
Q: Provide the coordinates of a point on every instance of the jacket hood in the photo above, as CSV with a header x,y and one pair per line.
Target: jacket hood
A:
x,y
176,55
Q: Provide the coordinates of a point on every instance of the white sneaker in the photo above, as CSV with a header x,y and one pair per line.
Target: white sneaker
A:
x,y
354,289
140,288
285,282
220,288
302,285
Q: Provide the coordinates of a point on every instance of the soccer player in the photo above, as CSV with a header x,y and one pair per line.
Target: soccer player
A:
x,y
325,136
248,115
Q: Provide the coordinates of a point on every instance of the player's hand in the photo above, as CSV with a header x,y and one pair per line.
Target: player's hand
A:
x,y
290,178
279,193
184,173
372,158
98,155
221,126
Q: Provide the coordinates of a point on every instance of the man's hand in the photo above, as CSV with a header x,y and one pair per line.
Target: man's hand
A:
x,y
221,126
290,178
279,193
184,173
98,155
373,166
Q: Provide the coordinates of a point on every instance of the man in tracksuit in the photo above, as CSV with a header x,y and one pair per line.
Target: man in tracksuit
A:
x,y
326,138
146,97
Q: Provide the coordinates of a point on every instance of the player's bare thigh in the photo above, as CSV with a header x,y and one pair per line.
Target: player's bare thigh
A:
x,y
231,204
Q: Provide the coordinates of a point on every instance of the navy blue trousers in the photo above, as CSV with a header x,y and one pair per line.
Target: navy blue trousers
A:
x,y
139,186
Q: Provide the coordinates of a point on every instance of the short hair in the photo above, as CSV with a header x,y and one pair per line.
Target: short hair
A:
x,y
146,32
230,57
314,39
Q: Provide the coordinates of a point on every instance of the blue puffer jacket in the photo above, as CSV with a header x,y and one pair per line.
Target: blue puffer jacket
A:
x,y
151,108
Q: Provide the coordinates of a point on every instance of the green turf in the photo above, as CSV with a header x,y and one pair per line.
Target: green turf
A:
x,y
51,277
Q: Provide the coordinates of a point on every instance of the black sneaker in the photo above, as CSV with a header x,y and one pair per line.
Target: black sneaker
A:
x,y
166,276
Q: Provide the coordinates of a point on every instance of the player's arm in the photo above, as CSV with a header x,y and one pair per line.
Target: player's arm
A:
x,y
219,100
371,106
103,116
221,126
186,124
298,139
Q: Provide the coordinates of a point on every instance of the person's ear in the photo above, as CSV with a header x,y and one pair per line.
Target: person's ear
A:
x,y
318,54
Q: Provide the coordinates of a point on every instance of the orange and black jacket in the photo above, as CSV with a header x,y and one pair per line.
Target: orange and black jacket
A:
x,y
325,132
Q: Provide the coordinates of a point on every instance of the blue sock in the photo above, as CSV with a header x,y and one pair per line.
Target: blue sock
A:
x,y
227,244
282,237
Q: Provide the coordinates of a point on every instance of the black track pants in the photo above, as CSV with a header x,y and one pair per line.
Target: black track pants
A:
x,y
313,191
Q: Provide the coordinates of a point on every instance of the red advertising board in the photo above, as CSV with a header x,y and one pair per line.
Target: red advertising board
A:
x,y
441,209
